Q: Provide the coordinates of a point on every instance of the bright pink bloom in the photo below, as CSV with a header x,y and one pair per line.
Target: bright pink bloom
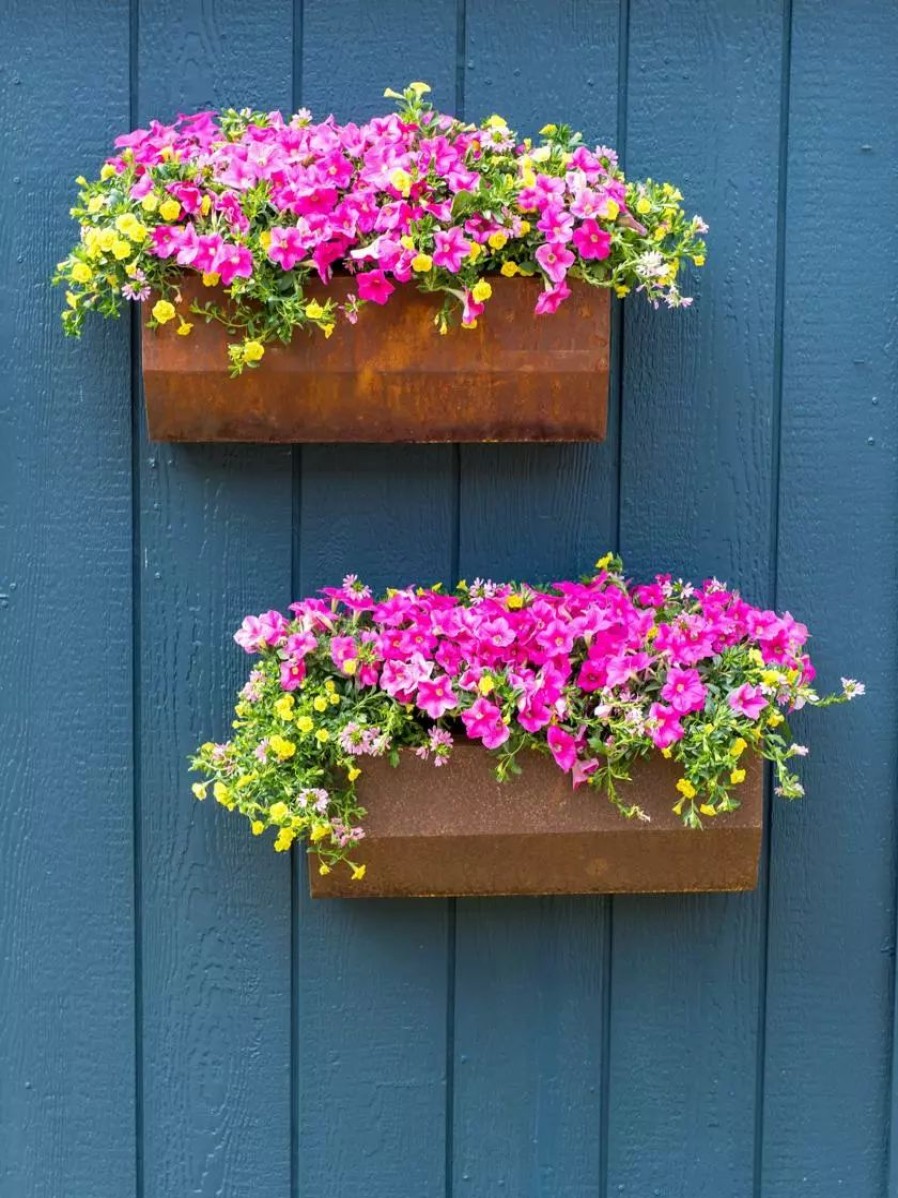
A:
x,y
436,696
592,241
375,286
748,700
551,299
555,260
233,261
684,690
286,247
450,248
483,721
665,725
563,747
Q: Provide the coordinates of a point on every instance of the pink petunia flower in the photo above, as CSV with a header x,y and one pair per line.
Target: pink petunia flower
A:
x,y
483,721
555,260
748,700
375,286
684,690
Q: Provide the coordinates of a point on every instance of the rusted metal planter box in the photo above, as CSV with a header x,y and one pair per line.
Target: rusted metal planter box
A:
x,y
392,377
457,831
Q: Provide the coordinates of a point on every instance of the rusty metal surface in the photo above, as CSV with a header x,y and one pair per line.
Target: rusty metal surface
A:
x,y
456,831
392,377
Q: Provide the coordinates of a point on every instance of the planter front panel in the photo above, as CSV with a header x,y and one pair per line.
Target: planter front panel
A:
x,y
455,830
392,376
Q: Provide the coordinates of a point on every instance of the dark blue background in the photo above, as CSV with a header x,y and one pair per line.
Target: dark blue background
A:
x,y
176,1017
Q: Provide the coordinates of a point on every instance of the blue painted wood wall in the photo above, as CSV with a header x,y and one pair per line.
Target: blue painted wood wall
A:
x,y
176,1017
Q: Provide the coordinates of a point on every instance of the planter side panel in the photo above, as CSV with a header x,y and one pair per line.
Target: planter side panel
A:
x,y
457,831
392,377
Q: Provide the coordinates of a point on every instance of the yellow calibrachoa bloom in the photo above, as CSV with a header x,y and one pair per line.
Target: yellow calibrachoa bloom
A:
x,y
163,311
284,707
738,747
353,772
257,827
82,273
278,812
305,723
686,789
422,263
481,291
737,776
253,351
150,202
509,269
184,328
319,703
199,789
358,873
314,310
497,240
283,748
284,839
170,210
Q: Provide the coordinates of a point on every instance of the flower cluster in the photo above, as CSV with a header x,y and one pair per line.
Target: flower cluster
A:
x,y
263,208
597,673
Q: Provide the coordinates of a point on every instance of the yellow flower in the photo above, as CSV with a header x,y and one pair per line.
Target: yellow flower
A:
x,y
350,665
199,789
737,776
523,228
620,291
82,273
257,827
322,736
253,351
324,870
548,130
170,210
667,752
284,707
122,249
497,240
319,703
738,747
771,677
686,789
328,330
509,269
422,263
514,602
604,562
609,209
283,748
284,839
698,259
358,873
420,89
184,328
210,279
481,291
163,311
475,251
265,238
754,655
775,719
221,792
314,310
643,205
707,809
330,685
486,685
94,204
149,203
206,205
107,170
72,299
333,699
319,832
278,812
305,723
401,180
407,243
353,772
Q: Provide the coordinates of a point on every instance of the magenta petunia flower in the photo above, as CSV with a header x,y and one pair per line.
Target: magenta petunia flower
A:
x,y
748,700
592,241
555,260
436,696
683,690
375,286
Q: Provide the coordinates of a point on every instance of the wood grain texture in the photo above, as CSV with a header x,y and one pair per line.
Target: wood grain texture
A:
x,y
832,915
528,1086
372,984
215,542
67,1110
697,498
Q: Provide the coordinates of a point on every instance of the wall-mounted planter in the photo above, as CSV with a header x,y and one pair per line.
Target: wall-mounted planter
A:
x,y
457,831
392,377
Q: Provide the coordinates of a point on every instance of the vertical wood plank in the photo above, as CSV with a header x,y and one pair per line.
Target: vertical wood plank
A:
x,y
832,877
530,974
215,542
372,978
696,498
67,1110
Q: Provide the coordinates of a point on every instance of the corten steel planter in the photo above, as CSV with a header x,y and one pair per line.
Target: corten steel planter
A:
x,y
457,831
392,377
